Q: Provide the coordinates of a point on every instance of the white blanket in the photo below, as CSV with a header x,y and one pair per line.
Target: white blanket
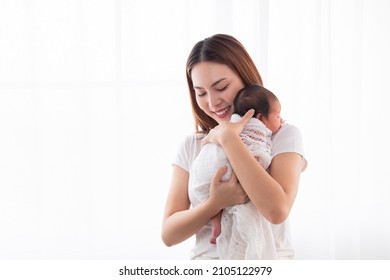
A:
x,y
245,233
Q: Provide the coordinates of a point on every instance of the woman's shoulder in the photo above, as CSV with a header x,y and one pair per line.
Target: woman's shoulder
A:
x,y
287,130
192,140
288,139
188,149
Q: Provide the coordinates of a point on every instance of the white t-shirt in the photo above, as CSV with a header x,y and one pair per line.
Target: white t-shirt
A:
x,y
287,139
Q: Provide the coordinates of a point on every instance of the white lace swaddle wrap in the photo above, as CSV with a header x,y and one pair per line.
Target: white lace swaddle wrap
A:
x,y
257,137
245,233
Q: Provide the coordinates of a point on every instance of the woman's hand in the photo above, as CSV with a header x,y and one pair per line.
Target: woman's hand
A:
x,y
226,194
227,129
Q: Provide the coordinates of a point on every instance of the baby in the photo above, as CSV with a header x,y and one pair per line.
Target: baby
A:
x,y
235,228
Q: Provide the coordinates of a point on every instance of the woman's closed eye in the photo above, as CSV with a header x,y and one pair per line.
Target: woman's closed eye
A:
x,y
200,94
223,88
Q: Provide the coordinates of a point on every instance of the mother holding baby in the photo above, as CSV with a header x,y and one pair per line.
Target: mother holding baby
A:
x,y
218,67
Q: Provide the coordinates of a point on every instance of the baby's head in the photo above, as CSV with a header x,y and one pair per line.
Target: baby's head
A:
x,y
264,102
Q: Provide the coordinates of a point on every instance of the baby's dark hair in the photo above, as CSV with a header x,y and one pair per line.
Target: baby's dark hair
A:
x,y
254,97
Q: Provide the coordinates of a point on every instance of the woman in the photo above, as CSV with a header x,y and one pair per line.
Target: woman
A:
x,y
217,68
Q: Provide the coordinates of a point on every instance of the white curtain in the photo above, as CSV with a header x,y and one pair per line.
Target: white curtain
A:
x,y
329,61
93,104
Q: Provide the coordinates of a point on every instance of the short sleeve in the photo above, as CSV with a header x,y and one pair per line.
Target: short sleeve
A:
x,y
188,150
288,139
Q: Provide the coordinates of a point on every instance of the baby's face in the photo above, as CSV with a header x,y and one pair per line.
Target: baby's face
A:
x,y
274,121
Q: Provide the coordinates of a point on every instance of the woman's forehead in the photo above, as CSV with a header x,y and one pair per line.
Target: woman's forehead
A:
x,y
207,73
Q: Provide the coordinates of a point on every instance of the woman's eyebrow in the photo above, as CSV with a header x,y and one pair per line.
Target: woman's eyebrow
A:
x,y
213,84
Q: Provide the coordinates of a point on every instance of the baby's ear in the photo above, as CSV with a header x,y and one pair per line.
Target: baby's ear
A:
x,y
259,116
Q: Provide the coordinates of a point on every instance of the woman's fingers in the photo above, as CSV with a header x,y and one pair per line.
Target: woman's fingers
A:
x,y
233,179
226,193
248,115
225,129
216,180
240,194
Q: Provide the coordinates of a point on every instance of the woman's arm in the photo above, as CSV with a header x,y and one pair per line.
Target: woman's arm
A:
x,y
180,221
273,194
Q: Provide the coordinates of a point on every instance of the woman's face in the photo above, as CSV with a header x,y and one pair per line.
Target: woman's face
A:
x,y
216,86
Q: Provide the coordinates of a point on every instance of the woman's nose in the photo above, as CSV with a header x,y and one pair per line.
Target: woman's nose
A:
x,y
214,100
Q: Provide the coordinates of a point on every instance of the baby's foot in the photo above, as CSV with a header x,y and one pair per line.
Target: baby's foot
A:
x,y
216,230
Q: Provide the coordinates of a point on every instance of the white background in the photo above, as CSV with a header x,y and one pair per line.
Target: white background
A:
x,y
94,102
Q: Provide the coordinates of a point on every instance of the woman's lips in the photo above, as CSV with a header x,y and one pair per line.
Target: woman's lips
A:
x,y
222,113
